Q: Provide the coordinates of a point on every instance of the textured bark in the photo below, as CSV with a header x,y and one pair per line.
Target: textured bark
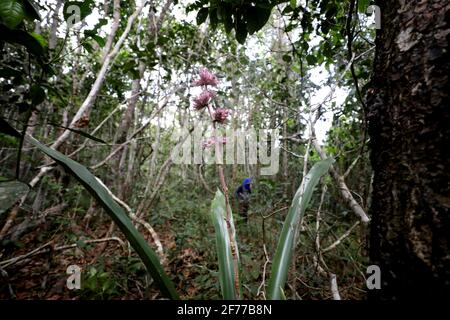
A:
x,y
52,41
409,130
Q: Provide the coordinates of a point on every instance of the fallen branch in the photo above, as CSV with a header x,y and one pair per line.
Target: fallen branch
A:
x,y
48,246
11,261
74,245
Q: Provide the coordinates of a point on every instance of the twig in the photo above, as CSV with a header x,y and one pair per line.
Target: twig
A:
x,y
133,136
261,288
276,211
291,152
349,169
74,245
45,247
11,261
339,240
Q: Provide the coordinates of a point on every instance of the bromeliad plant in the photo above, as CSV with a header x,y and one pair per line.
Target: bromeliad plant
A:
x,y
221,214
13,191
222,218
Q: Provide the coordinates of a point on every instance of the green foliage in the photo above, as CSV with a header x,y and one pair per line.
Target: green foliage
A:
x,y
98,284
227,271
31,42
283,255
244,17
269,88
12,13
363,5
97,190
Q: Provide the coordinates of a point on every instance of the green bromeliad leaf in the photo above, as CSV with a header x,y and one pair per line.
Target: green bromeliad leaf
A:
x,y
223,245
12,13
285,248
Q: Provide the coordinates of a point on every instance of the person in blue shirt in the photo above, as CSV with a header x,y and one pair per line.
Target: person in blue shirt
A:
x,y
243,193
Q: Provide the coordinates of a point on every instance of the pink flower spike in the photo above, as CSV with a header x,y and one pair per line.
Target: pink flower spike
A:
x,y
221,114
206,78
203,99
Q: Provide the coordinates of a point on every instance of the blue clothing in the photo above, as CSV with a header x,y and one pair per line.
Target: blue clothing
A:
x,y
243,195
244,190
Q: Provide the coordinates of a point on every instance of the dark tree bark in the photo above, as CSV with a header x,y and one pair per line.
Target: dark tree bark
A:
x,y
409,127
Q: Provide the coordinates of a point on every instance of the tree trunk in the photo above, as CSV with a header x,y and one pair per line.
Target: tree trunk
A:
x,y
409,129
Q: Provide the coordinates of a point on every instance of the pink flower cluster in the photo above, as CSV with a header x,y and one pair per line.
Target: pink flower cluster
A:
x,y
203,99
212,141
206,79
221,115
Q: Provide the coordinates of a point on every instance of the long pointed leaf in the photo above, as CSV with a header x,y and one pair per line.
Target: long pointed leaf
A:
x,y
223,244
286,246
88,180
80,132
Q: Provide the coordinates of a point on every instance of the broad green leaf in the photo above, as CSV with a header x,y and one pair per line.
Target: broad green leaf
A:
x,y
23,38
88,47
213,19
202,15
31,10
225,15
285,248
257,17
93,34
12,13
241,31
40,39
100,41
10,193
98,191
223,245
80,132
